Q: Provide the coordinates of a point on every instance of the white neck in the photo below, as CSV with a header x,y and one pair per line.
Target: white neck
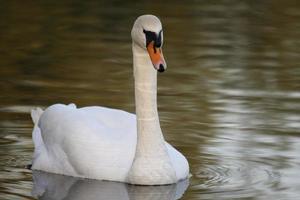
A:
x,y
152,164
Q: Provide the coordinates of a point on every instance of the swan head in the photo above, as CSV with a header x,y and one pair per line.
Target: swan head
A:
x,y
147,33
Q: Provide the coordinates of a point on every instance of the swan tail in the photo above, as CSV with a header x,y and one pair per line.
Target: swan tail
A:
x,y
36,114
36,133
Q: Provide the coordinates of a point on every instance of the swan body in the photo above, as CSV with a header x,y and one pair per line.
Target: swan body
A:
x,y
109,144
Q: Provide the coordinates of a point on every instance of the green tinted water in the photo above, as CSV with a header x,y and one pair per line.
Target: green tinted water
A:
x,y
230,99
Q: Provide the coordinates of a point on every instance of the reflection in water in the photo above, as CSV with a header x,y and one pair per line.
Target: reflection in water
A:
x,y
48,186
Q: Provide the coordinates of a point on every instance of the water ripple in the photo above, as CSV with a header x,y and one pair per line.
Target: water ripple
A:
x,y
235,176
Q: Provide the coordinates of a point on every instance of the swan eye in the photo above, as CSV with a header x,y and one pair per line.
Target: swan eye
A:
x,y
152,36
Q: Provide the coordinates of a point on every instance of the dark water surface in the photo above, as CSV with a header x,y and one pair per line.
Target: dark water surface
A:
x,y
230,99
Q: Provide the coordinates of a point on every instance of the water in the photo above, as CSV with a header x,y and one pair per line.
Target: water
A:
x,y
230,99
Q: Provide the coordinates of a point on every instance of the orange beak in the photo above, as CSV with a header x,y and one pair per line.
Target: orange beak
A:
x,y
156,57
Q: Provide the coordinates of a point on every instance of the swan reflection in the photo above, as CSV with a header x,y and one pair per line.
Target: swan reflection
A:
x,y
48,186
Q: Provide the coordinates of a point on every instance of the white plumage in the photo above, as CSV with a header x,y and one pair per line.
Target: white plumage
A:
x,y
109,144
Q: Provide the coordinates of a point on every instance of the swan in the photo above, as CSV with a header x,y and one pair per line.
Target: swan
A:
x,y
110,144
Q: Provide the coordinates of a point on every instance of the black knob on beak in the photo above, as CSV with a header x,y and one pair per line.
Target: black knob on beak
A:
x,y
161,68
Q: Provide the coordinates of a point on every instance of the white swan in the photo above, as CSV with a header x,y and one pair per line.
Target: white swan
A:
x,y
109,144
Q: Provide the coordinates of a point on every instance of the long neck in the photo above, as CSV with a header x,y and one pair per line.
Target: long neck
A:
x,y
152,164
150,139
